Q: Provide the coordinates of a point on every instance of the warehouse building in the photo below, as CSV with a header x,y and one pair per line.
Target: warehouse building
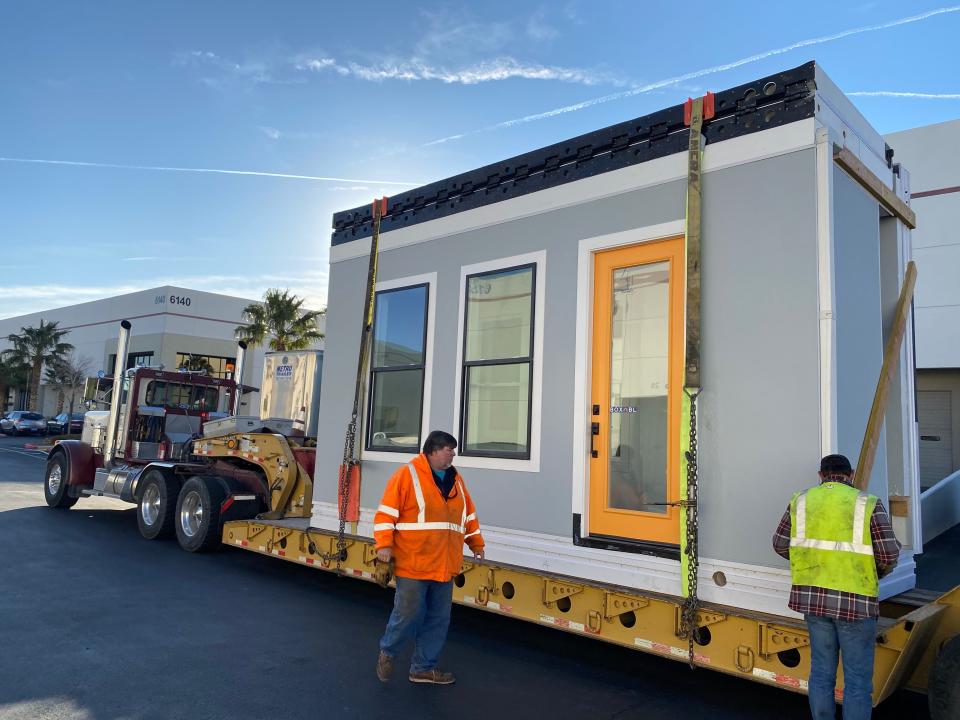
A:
x,y
170,324
932,154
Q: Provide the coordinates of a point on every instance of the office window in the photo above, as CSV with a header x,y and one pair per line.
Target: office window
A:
x,y
497,368
137,359
397,369
215,365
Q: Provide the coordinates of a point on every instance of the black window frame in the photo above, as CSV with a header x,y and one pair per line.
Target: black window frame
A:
x,y
131,359
224,374
373,371
465,365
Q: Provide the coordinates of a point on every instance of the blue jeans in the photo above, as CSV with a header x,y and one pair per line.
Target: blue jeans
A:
x,y
421,609
854,642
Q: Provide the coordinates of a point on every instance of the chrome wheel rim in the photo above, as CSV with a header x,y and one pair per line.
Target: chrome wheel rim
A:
x,y
54,479
191,513
150,504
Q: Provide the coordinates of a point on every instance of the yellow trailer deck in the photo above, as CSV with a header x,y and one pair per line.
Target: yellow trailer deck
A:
x,y
766,648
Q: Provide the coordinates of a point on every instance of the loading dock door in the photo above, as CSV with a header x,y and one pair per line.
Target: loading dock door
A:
x,y
936,436
637,373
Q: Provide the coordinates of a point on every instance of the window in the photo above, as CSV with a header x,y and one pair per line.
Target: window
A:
x,y
184,397
397,369
497,372
215,365
138,359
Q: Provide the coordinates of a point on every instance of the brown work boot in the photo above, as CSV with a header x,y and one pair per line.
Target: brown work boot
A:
x,y
433,676
384,666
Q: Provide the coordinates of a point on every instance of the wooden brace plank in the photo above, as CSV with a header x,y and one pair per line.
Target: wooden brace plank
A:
x,y
874,185
891,357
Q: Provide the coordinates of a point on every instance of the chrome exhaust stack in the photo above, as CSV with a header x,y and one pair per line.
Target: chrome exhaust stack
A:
x,y
123,344
238,377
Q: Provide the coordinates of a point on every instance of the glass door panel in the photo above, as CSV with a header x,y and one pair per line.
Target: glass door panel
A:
x,y
637,369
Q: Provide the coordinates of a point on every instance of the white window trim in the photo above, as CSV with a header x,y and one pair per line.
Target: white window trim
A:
x,y
538,259
588,247
402,456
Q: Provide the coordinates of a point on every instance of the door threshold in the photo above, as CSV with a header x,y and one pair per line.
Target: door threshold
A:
x,y
619,544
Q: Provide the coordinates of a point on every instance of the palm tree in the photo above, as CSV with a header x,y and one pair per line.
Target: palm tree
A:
x,y
281,317
67,376
36,347
198,363
12,376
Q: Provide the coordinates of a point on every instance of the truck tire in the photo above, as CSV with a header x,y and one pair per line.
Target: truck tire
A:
x,y
55,483
943,686
198,514
156,510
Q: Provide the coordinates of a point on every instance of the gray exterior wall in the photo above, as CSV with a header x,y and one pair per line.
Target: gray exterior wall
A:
x,y
760,407
858,317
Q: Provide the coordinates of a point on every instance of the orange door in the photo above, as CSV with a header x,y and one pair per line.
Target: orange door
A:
x,y
636,391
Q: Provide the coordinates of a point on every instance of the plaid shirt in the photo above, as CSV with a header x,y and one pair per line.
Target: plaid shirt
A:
x,y
812,600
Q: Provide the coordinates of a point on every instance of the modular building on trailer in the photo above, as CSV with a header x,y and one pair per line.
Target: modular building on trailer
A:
x,y
536,309
640,374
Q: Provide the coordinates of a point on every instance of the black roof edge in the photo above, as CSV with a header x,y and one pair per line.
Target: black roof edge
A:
x,y
771,101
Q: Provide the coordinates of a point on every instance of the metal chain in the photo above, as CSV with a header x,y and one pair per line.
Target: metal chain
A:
x,y
688,614
343,486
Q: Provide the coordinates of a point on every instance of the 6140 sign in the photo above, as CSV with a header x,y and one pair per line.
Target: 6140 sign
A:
x,y
172,300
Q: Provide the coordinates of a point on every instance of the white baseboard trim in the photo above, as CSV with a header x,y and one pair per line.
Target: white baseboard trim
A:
x,y
750,587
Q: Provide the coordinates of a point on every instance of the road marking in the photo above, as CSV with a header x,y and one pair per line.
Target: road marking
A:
x,y
39,454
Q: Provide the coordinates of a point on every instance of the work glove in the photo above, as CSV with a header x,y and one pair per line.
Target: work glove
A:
x,y
383,571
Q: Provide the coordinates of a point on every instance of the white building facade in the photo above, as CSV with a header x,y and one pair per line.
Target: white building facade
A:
x,y
169,324
933,155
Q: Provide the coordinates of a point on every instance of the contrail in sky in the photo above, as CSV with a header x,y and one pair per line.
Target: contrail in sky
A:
x,y
700,73
208,170
893,94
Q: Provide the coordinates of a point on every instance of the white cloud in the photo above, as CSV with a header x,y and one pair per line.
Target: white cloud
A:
x,y
227,73
415,69
896,94
271,132
220,171
539,29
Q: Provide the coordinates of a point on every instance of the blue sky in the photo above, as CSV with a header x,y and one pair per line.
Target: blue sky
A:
x,y
374,97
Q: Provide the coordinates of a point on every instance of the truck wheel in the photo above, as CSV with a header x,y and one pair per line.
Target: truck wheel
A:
x,y
943,686
198,514
56,483
157,508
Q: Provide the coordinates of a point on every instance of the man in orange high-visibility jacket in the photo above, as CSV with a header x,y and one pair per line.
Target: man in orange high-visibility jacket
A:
x,y
424,518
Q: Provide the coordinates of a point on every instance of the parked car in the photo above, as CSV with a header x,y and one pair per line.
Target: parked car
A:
x,y
65,424
23,422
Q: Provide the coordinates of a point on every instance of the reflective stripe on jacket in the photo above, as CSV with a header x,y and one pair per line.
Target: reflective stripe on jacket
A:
x,y
425,530
830,542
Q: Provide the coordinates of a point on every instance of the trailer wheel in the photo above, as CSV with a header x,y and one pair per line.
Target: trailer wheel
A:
x,y
198,514
156,511
55,483
943,686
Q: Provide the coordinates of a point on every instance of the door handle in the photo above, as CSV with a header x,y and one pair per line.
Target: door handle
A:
x,y
594,431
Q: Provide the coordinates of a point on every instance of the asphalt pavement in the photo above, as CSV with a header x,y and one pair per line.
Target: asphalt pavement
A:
x,y
97,623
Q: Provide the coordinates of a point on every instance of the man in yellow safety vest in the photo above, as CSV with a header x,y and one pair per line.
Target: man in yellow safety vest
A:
x,y
839,542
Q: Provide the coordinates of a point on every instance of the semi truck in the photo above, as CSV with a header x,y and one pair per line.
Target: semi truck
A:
x,y
645,338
